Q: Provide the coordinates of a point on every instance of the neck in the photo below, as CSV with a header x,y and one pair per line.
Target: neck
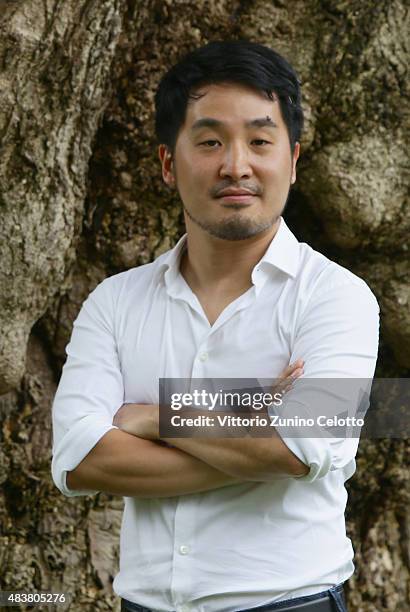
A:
x,y
225,265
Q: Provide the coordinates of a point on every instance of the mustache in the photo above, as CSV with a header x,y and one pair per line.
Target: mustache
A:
x,y
251,187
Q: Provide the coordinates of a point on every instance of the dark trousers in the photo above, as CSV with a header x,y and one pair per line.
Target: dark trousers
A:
x,y
332,600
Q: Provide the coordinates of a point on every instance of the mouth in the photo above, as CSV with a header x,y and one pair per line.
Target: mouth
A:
x,y
238,199
238,195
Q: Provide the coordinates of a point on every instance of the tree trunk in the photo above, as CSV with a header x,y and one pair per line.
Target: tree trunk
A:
x,y
81,198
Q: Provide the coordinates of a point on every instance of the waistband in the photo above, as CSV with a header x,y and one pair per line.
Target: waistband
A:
x,y
332,600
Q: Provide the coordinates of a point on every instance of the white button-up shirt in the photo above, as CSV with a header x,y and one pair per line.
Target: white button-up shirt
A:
x,y
247,544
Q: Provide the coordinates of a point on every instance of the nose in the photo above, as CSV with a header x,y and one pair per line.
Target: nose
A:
x,y
235,163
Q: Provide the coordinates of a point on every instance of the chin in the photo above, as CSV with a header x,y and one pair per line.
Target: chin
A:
x,y
236,229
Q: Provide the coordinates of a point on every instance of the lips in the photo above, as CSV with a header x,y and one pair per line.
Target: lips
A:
x,y
234,192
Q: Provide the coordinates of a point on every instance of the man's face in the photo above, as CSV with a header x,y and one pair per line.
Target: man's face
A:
x,y
232,163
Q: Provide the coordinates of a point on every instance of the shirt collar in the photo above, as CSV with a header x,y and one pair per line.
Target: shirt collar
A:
x,y
282,254
168,263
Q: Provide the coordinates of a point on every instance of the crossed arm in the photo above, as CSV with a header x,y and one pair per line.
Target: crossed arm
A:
x,y
132,461
124,464
337,336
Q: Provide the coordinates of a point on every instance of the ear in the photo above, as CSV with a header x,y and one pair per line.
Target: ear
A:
x,y
295,157
167,165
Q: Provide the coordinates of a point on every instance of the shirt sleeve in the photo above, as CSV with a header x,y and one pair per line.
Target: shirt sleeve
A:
x,y
90,390
337,337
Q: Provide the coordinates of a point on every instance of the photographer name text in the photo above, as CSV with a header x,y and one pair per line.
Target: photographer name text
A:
x,y
258,421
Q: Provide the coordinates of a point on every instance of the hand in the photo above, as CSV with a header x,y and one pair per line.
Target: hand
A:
x,y
284,381
140,420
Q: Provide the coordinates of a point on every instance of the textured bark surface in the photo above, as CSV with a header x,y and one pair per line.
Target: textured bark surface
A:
x,y
56,60
81,198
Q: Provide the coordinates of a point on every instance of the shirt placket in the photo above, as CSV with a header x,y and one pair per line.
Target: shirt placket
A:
x,y
183,562
187,516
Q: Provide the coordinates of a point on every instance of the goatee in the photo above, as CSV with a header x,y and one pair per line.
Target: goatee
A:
x,y
235,228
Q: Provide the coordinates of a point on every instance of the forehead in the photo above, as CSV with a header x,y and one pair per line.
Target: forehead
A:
x,y
230,102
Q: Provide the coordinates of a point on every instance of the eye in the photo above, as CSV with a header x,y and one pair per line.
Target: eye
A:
x,y
260,142
210,144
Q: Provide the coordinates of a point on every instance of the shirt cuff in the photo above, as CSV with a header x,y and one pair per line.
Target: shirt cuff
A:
x,y
72,449
314,453
321,452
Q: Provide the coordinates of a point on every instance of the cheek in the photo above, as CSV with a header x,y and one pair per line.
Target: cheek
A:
x,y
196,175
193,182
278,171
187,165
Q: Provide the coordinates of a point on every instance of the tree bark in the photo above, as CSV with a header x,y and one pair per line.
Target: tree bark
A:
x,y
81,198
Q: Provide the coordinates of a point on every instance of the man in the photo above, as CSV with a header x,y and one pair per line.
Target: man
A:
x,y
212,524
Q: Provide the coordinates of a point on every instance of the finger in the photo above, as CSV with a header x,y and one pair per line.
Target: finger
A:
x,y
284,385
299,363
296,373
289,379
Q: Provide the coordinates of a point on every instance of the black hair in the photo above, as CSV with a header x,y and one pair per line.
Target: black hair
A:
x,y
236,61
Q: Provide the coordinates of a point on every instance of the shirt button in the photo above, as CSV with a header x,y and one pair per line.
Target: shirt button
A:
x,y
203,356
183,550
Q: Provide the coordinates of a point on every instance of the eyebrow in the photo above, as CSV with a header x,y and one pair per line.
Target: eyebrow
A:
x,y
208,122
